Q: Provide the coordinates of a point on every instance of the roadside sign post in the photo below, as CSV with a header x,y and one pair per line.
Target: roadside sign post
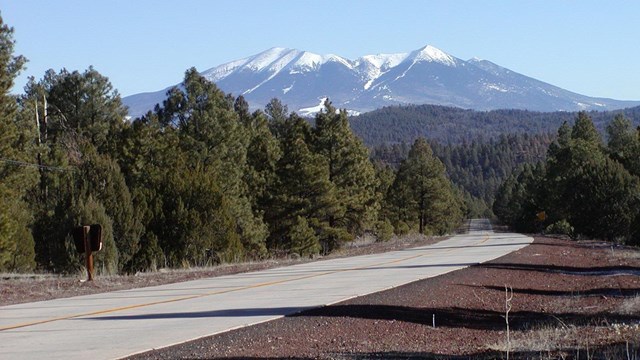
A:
x,y
541,218
88,254
88,238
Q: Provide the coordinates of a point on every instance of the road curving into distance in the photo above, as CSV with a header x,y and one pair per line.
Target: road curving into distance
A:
x,y
121,323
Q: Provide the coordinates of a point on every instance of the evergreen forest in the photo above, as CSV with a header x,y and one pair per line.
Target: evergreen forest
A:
x,y
480,149
585,187
199,180
478,167
448,125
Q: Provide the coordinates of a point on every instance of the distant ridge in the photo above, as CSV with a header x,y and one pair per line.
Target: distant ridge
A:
x,y
405,123
427,75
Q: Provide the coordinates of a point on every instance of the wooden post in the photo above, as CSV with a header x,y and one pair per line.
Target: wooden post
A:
x,y
88,254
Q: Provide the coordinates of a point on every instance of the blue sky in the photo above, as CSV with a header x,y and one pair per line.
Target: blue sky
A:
x,y
590,47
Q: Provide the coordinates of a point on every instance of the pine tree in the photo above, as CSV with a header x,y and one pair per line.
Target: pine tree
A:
x,y
16,180
422,196
53,219
186,216
350,170
606,202
263,154
196,218
278,114
624,144
241,107
558,175
504,203
85,103
150,155
210,129
302,190
583,129
303,239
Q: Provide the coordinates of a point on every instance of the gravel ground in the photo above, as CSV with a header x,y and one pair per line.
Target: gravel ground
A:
x,y
570,300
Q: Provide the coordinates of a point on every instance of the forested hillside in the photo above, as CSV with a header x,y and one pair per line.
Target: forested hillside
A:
x,y
398,124
477,167
480,149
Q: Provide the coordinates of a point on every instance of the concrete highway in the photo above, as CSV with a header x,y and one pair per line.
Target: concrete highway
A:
x,y
117,324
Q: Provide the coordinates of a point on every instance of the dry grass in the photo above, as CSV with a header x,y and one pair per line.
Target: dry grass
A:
x,y
630,306
545,339
626,253
552,341
574,342
27,277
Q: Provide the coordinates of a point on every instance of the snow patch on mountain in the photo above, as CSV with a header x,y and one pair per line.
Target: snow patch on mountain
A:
x,y
263,60
260,84
385,61
374,66
313,109
287,89
222,71
369,82
308,61
289,56
496,87
272,60
432,54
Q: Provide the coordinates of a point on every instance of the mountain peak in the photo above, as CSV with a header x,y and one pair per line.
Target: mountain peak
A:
x,y
432,54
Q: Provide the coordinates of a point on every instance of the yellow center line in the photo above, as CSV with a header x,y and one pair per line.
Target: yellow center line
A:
x,y
212,293
486,238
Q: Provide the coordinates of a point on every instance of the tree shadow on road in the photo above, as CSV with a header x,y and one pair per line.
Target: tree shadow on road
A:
x,y
566,270
249,312
598,292
463,318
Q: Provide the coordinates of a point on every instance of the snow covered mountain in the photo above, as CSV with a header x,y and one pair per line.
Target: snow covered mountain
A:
x,y
428,75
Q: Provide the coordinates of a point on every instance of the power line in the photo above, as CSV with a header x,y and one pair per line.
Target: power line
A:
x,y
45,167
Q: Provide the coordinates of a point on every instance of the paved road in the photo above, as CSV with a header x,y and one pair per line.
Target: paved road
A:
x,y
121,323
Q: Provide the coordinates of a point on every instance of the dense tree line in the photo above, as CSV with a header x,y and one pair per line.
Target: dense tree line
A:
x,y
197,180
584,187
480,149
405,123
476,167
